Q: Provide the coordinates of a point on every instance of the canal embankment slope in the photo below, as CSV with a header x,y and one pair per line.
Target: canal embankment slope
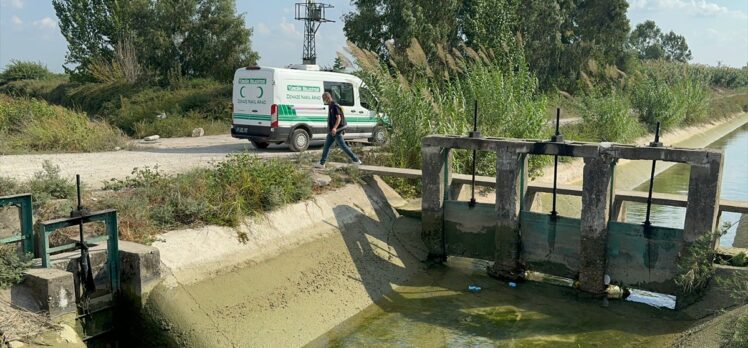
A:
x,y
285,278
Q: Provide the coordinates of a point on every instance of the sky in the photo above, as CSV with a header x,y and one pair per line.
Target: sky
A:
x,y
716,30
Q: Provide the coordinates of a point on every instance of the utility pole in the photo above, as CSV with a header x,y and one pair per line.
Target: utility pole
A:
x,y
313,14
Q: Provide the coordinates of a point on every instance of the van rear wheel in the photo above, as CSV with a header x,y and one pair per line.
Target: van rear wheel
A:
x,y
299,140
260,144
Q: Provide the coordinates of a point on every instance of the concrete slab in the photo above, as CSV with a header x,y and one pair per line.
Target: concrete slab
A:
x,y
141,269
53,290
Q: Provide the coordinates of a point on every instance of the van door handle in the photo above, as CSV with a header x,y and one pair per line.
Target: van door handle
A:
x,y
360,112
254,110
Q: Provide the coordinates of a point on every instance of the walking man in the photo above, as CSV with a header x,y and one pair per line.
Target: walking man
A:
x,y
336,126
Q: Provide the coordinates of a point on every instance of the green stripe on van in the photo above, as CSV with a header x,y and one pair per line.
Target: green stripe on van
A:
x,y
286,117
252,117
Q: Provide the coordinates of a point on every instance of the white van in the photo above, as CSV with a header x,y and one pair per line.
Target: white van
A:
x,y
274,105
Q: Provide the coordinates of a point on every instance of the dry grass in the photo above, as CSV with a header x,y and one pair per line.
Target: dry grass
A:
x,y
18,324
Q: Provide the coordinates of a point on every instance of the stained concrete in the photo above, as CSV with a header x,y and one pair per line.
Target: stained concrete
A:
x,y
594,247
53,290
594,225
141,269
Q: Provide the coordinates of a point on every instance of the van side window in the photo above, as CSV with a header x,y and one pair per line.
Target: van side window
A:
x,y
341,92
367,98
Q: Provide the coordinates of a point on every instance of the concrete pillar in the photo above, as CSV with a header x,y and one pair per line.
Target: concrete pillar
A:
x,y
435,180
53,290
703,199
594,225
454,191
508,175
619,210
141,269
741,233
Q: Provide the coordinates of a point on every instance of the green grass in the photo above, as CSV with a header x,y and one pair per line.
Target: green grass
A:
x,y
133,107
150,201
30,125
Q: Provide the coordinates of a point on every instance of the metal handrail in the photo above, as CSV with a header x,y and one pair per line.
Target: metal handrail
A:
x,y
109,217
25,215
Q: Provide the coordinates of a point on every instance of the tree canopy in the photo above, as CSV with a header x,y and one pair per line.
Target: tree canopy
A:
x,y
650,43
195,38
558,37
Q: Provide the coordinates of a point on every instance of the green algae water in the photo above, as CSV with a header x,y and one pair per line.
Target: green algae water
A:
x,y
439,311
443,313
675,180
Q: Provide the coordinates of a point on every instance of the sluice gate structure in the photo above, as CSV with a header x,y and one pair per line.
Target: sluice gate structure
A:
x,y
588,248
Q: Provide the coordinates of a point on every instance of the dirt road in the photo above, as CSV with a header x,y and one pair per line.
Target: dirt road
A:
x,y
171,155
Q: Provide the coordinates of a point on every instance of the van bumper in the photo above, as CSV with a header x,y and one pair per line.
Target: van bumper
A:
x,y
259,133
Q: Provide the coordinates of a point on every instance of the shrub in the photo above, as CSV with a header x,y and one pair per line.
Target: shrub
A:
x,y
48,184
34,125
39,89
608,118
44,186
195,106
180,126
695,98
441,101
725,106
12,266
240,186
656,101
24,70
133,107
720,76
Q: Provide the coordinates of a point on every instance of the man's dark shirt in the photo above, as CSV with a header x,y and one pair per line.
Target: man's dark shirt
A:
x,y
334,110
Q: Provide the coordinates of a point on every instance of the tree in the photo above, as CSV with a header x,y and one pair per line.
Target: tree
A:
x,y
195,38
338,66
650,43
376,22
557,37
88,27
646,39
601,28
675,47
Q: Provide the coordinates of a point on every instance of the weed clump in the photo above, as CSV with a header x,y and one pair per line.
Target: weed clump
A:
x,y
608,118
24,70
44,186
12,265
150,200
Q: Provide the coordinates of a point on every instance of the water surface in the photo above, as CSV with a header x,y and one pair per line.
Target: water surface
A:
x,y
675,180
443,313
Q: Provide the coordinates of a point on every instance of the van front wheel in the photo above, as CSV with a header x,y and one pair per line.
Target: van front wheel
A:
x,y
378,136
299,140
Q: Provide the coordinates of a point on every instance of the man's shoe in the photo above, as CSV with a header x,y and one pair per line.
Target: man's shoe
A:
x,y
319,166
358,163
